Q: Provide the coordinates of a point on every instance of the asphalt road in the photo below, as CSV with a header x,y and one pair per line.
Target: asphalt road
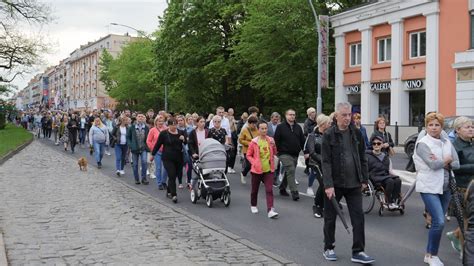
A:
x,y
393,239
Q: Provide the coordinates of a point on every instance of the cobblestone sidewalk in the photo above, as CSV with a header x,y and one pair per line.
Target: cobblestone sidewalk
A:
x,y
51,213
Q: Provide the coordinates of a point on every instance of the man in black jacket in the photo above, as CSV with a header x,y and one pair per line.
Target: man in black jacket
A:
x,y
289,140
344,173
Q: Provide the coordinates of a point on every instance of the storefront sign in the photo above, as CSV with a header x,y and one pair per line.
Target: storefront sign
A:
x,y
414,84
380,87
354,89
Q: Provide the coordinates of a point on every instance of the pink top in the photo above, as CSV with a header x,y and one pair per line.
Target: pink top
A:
x,y
153,137
253,155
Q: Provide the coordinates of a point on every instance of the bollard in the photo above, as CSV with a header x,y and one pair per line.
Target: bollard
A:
x,y
396,133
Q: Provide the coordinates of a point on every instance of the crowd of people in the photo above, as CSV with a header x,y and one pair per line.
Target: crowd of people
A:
x,y
339,155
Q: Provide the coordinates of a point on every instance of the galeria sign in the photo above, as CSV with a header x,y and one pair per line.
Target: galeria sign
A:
x,y
383,86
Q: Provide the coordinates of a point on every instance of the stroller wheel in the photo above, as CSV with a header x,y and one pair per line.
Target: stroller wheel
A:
x,y
226,199
402,211
194,196
209,200
381,211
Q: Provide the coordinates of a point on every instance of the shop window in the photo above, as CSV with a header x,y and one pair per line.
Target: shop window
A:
x,y
384,50
355,54
417,44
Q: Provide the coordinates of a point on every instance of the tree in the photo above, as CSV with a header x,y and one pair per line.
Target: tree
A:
x,y
18,51
131,77
105,61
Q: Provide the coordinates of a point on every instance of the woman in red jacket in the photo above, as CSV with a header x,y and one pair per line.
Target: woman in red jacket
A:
x,y
260,154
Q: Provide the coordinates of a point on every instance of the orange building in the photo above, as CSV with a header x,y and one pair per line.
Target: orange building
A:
x,y
402,59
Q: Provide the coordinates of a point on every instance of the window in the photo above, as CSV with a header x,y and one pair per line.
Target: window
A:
x,y
385,50
472,30
417,44
355,54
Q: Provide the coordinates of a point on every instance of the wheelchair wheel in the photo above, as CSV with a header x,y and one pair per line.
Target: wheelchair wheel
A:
x,y
368,198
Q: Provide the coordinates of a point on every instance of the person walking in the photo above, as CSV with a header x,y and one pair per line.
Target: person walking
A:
x,y
73,126
380,130
82,128
64,132
434,157
313,145
136,139
289,140
310,121
98,138
234,138
151,140
119,143
172,141
246,136
55,128
260,154
275,120
356,118
109,123
345,172
463,144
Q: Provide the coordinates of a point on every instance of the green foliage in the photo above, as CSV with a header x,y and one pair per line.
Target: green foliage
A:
x,y
12,137
130,77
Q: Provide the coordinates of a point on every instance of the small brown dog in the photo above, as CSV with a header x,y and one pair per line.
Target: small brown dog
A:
x,y
82,162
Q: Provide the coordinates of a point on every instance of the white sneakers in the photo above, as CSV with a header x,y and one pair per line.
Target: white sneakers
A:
x,y
433,260
107,153
242,179
310,192
272,214
393,206
122,172
230,170
254,209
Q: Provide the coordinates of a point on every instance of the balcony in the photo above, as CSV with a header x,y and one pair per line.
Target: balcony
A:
x,y
464,59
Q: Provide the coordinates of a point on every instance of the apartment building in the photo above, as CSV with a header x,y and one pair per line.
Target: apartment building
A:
x,y
85,91
402,59
57,86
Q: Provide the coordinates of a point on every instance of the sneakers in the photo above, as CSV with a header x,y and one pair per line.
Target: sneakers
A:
x,y
310,192
362,258
392,206
455,243
330,255
99,165
152,176
137,182
295,195
272,214
160,187
145,182
180,186
174,199
117,172
254,209
433,260
230,170
284,193
107,153
317,211
296,181
122,172
242,179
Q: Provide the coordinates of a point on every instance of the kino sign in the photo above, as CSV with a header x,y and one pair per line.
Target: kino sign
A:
x,y
353,89
414,84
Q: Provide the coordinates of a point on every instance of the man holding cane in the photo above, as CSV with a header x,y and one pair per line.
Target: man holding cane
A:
x,y
345,173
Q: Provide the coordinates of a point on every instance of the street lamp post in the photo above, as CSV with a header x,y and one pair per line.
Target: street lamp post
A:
x,y
140,33
318,99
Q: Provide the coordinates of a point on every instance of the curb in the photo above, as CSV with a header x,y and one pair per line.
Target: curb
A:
x,y
203,222
15,151
3,254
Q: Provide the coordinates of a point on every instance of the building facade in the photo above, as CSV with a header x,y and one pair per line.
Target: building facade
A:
x,y
57,86
401,59
85,91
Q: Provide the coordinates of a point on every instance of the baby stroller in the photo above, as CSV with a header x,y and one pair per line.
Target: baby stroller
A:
x,y
211,182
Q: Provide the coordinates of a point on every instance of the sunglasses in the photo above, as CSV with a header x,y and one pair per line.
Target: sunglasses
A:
x,y
377,143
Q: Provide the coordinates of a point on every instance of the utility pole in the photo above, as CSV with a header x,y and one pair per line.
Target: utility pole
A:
x,y
319,100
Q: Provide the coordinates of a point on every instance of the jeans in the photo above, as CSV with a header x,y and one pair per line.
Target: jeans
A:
x,y
98,151
120,154
289,166
319,196
353,198
82,136
160,171
267,179
311,177
436,204
143,159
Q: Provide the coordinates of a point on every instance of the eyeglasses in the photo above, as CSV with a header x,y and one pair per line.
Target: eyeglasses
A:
x,y
377,143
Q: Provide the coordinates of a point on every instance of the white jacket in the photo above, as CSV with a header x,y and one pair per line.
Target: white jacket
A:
x,y
431,179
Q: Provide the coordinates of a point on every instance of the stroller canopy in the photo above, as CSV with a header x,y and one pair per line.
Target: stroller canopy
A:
x,y
212,154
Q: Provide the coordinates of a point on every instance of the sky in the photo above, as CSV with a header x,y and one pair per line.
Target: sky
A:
x,y
77,22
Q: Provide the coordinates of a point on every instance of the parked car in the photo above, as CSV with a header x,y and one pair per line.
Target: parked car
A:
x,y
448,127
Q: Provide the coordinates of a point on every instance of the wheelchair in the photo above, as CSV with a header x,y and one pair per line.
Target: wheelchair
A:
x,y
373,192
